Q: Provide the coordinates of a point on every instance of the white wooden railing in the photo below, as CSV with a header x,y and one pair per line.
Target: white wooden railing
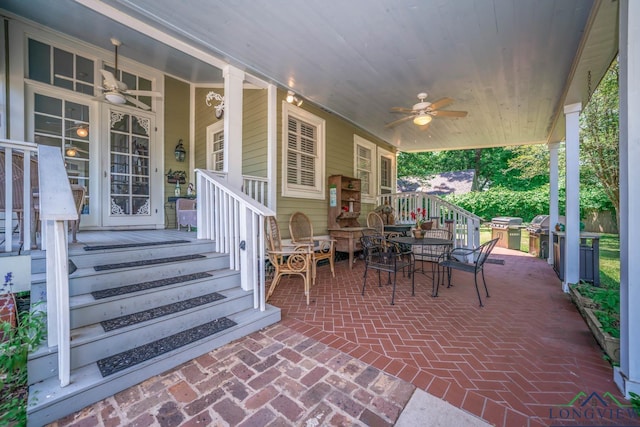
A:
x,y
236,223
256,187
464,225
11,177
56,207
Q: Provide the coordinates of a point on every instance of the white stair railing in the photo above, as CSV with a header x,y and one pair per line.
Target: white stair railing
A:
x,y
256,187
236,223
56,207
18,154
464,225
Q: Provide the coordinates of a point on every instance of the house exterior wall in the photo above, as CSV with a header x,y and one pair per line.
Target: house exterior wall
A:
x,y
339,161
176,119
254,133
204,116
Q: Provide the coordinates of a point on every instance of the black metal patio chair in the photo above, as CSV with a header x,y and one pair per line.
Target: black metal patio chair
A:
x,y
469,260
382,255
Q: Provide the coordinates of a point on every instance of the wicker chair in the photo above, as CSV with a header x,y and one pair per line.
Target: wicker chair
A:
x,y
18,188
78,192
374,220
287,260
302,233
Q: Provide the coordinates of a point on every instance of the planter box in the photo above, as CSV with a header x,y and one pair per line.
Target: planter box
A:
x,y
580,301
609,344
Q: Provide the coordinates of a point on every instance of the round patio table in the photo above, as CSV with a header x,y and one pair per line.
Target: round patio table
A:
x,y
426,241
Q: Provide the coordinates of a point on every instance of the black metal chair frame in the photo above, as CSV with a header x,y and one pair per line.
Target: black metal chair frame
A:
x,y
458,258
382,255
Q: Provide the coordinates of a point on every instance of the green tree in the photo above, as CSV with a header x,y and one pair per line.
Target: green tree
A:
x,y
600,136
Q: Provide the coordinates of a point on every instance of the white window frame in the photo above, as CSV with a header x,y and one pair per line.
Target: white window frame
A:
x,y
305,192
358,141
382,153
211,131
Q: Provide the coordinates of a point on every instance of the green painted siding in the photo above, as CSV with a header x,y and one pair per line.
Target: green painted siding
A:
x,y
204,116
254,132
339,161
176,127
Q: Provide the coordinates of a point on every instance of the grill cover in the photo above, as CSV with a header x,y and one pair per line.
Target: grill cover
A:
x,y
506,222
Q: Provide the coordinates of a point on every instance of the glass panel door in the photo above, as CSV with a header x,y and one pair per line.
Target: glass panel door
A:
x,y
129,168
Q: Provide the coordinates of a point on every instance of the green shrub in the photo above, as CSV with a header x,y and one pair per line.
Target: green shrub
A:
x,y
18,342
500,201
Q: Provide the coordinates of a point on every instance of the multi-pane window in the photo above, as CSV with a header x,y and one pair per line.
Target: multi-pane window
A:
x,y
65,124
385,175
364,167
57,67
217,155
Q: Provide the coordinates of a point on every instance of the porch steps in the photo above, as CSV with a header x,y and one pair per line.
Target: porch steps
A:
x,y
181,309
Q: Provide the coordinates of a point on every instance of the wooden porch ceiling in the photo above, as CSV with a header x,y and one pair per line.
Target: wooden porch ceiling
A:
x,y
512,64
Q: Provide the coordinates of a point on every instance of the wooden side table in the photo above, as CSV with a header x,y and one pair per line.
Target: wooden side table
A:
x,y
347,240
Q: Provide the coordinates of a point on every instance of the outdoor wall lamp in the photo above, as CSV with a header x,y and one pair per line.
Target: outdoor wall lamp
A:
x,y
180,152
293,99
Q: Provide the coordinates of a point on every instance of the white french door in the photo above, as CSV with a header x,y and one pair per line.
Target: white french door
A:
x,y
131,195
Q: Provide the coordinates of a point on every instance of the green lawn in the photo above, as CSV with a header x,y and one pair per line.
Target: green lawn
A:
x,y
609,255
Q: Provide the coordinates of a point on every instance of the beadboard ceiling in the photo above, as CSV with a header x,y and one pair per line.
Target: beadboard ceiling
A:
x,y
512,64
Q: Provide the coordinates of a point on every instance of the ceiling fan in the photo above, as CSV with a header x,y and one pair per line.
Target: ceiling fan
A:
x,y
423,112
116,91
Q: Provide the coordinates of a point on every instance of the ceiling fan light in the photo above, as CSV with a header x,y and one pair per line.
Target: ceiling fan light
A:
x,y
82,132
115,98
422,119
71,151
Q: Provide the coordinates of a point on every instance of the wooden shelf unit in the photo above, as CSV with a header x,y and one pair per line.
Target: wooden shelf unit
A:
x,y
347,207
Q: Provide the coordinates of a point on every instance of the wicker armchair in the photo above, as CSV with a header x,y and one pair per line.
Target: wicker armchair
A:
x,y
374,220
302,233
17,161
287,260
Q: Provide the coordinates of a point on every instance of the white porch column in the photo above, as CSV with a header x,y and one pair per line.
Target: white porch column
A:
x,y
553,194
272,145
627,375
572,203
233,94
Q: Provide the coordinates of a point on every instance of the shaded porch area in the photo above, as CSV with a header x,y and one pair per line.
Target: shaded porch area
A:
x,y
513,362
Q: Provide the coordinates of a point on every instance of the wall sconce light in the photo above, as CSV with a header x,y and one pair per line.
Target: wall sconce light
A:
x,y
82,132
293,99
180,152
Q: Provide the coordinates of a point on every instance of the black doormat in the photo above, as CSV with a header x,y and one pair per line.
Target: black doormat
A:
x,y
146,262
126,359
132,245
143,286
153,313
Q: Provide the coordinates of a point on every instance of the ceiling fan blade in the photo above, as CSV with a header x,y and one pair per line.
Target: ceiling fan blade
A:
x,y
442,102
144,93
60,76
109,79
137,103
449,113
397,122
402,110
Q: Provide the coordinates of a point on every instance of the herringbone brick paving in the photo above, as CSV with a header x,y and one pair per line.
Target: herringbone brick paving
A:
x,y
510,362
348,359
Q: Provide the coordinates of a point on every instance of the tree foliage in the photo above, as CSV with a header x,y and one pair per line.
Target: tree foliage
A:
x,y
600,136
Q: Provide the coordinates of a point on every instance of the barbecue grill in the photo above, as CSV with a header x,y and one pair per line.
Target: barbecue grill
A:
x,y
508,231
539,236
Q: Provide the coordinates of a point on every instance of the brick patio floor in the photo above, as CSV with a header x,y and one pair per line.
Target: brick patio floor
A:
x,y
348,359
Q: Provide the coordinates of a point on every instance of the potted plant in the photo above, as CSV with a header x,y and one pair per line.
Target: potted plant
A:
x,y
420,217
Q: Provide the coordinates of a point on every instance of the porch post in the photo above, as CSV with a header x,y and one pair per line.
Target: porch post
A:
x,y
572,203
553,194
233,93
272,145
627,375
